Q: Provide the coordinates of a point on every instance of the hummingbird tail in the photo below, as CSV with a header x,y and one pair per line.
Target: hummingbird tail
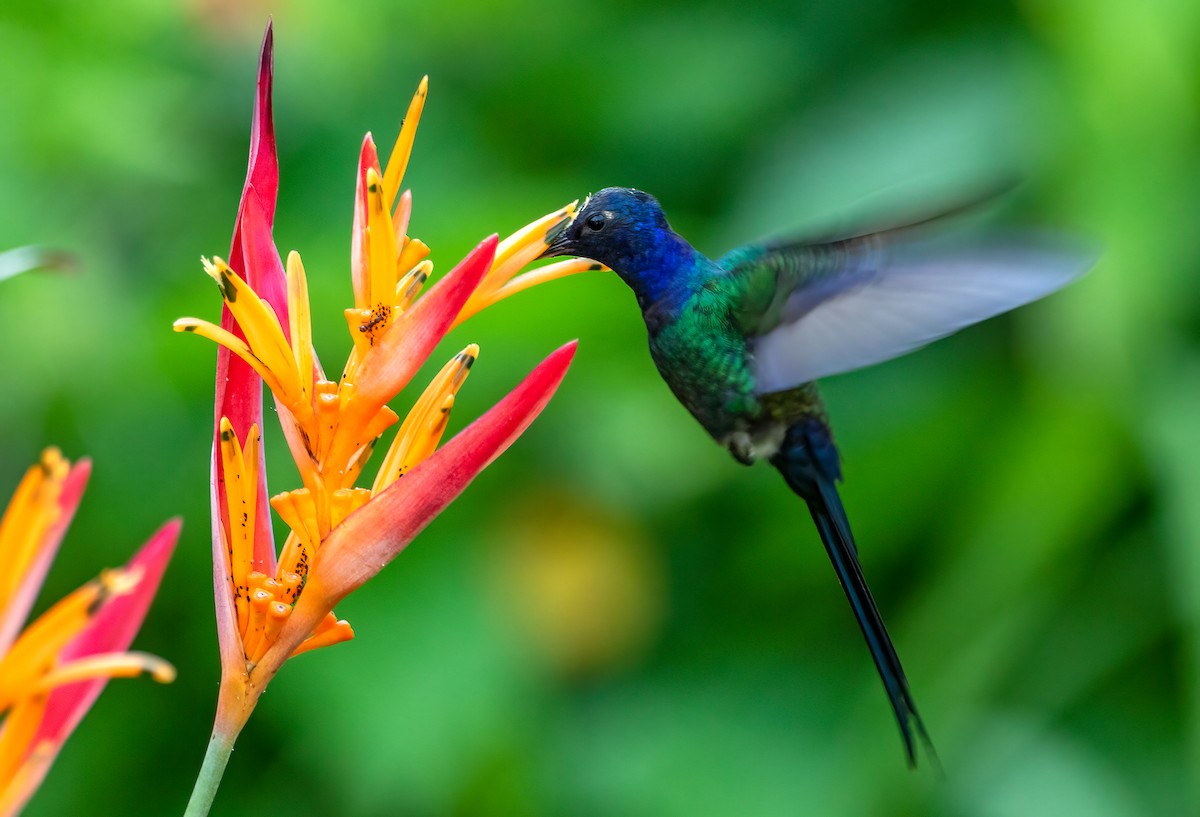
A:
x,y
808,461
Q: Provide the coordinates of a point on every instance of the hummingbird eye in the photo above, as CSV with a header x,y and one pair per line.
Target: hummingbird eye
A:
x,y
596,223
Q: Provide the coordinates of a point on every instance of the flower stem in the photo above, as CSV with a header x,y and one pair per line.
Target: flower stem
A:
x,y
220,746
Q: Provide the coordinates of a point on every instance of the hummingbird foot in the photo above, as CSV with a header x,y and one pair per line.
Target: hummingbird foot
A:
x,y
747,447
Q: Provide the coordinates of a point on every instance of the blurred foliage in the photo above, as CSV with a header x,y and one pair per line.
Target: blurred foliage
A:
x,y
615,619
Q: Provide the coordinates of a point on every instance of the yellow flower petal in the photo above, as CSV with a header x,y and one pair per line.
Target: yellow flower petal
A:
x,y
298,510
422,429
241,498
346,501
30,513
234,344
301,324
108,665
381,251
398,161
415,251
409,285
559,269
260,325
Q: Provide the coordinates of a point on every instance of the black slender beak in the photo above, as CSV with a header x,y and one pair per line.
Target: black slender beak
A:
x,y
557,242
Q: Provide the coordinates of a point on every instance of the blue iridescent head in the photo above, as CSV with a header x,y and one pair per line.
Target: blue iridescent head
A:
x,y
627,231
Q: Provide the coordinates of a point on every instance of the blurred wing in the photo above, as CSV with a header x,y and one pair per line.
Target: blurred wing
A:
x,y
870,299
28,259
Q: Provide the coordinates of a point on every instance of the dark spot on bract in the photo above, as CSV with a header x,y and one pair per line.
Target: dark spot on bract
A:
x,y
595,267
189,329
227,290
99,601
226,436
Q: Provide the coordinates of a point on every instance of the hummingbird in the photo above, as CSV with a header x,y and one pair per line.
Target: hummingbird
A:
x,y
741,339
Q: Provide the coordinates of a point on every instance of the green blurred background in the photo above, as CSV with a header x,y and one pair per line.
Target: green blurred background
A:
x,y
616,619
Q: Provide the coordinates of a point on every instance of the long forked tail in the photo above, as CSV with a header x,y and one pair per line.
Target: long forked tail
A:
x,y
809,462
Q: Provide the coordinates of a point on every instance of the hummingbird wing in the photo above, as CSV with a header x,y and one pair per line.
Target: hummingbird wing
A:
x,y
814,309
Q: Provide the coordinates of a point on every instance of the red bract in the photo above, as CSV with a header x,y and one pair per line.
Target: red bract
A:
x,y
238,388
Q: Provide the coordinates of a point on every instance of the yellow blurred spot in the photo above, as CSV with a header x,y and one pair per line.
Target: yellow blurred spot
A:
x,y
585,588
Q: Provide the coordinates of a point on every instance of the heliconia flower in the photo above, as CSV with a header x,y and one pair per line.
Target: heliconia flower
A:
x,y
52,673
271,607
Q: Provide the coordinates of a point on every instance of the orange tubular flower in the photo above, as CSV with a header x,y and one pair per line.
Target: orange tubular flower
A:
x,y
52,672
271,607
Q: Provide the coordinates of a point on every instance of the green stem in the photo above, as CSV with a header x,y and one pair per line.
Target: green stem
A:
x,y
209,780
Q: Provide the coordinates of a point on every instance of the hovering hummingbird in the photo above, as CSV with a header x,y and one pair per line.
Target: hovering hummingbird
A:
x,y
741,339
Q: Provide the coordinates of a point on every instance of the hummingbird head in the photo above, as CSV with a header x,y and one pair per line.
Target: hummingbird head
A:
x,y
627,231
615,227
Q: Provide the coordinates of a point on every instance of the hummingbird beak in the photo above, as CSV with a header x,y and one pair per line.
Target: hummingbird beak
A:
x,y
557,241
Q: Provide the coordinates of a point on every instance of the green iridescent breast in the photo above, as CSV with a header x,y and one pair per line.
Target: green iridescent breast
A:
x,y
701,353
